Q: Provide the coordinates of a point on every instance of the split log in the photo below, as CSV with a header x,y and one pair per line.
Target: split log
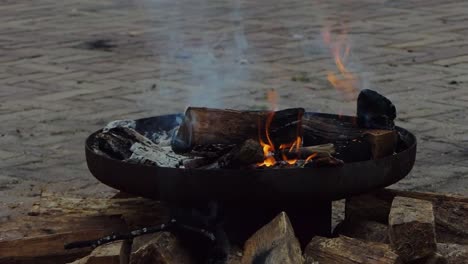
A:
x,y
450,211
346,250
412,228
273,243
124,143
382,142
113,253
365,230
250,152
206,126
163,248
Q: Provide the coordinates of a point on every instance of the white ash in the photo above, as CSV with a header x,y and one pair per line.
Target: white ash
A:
x,y
162,138
119,123
160,156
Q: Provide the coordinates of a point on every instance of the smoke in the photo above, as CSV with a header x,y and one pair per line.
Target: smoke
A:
x,y
210,61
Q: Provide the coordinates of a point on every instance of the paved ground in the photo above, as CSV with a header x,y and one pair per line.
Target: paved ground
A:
x,y
68,67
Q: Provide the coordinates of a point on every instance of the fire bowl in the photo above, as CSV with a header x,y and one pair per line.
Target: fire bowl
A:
x,y
266,186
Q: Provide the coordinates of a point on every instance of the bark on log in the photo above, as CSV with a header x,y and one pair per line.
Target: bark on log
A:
x,y
412,228
450,211
162,248
206,126
346,250
273,243
323,150
352,143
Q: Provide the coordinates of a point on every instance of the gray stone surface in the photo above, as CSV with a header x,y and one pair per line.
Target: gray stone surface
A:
x,y
157,57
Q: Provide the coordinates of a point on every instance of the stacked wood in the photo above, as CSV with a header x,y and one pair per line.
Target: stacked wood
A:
x,y
412,228
348,250
59,220
273,243
450,211
206,126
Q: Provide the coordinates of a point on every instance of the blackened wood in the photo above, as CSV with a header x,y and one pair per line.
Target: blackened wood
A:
x,y
205,126
196,162
324,150
348,250
127,144
324,162
348,139
375,110
412,228
248,153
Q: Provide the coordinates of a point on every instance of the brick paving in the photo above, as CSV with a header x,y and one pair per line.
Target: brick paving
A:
x,y
157,57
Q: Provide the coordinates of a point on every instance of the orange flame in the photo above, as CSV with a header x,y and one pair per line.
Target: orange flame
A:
x,y
344,81
269,148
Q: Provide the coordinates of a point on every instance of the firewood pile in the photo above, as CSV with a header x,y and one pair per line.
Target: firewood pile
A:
x,y
387,226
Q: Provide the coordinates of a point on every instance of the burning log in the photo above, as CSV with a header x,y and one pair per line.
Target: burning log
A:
x,y
348,250
324,150
412,228
206,126
250,152
352,143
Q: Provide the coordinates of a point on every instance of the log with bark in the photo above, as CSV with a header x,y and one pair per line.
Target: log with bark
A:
x,y
348,250
352,143
206,126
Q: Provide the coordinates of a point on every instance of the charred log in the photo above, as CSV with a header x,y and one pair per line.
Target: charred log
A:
x,y
375,110
250,152
206,126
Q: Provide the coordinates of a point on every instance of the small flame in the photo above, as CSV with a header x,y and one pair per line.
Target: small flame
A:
x,y
343,80
310,158
268,148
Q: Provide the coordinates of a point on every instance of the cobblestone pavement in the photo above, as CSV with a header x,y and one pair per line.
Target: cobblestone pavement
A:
x,y
69,67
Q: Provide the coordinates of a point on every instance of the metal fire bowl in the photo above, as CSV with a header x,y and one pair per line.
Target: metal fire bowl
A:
x,y
299,185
